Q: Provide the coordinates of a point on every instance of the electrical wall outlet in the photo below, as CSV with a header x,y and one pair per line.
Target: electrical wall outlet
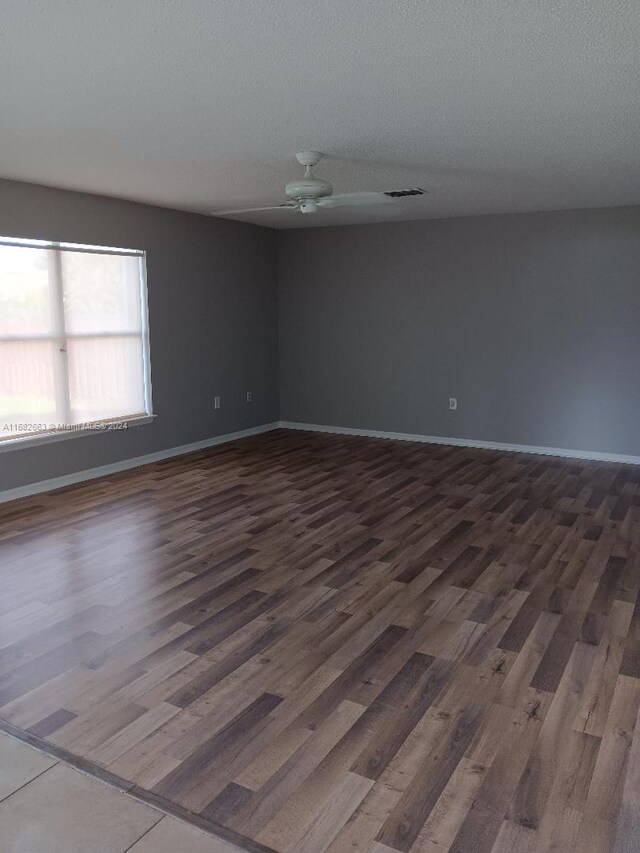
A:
x,y
249,396
453,403
216,402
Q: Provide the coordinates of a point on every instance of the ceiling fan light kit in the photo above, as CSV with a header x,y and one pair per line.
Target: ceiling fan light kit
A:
x,y
309,193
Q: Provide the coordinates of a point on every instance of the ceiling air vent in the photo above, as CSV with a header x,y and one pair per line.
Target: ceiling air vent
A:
x,y
405,193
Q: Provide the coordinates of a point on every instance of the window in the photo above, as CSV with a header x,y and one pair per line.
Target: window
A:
x,y
74,348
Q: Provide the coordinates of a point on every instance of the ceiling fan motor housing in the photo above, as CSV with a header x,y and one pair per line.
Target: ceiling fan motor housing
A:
x,y
308,187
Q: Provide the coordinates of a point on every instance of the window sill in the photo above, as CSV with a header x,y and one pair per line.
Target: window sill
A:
x,y
26,441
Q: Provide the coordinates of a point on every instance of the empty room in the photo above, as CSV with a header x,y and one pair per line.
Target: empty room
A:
x,y
319,426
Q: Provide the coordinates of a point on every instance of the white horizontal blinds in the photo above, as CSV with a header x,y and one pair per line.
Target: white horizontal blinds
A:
x,y
28,359
73,346
103,320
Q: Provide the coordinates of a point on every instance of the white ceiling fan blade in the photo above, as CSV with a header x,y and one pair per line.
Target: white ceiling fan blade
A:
x,y
353,199
254,209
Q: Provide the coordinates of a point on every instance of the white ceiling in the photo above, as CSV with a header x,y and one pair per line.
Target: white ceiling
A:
x,y
492,105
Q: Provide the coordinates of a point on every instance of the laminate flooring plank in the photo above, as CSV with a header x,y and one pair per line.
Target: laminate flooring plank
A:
x,y
327,642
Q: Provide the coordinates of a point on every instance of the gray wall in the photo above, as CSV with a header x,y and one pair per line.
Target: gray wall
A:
x,y
532,321
213,320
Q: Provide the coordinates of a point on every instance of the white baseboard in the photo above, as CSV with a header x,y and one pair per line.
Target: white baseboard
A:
x,y
594,455
135,462
125,464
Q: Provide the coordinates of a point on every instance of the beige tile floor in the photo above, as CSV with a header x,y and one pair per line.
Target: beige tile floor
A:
x,y
48,807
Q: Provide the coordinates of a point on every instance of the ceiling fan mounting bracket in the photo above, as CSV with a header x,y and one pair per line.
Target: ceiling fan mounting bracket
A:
x,y
309,158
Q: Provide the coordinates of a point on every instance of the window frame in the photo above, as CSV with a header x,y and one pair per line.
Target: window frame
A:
x,y
59,334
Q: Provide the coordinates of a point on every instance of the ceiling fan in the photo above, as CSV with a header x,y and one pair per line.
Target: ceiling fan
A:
x,y
309,193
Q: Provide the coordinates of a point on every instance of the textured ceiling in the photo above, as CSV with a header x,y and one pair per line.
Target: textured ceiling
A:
x,y
492,105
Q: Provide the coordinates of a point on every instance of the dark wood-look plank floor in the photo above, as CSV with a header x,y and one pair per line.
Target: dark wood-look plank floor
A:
x,y
342,644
